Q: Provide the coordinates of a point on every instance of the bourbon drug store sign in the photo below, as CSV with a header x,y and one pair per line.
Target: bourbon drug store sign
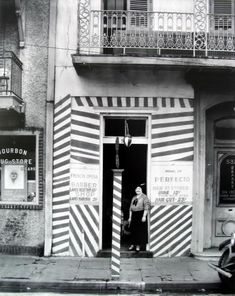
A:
x,y
171,182
84,184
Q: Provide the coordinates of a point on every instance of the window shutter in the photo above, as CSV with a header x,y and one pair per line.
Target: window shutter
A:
x,y
139,5
222,6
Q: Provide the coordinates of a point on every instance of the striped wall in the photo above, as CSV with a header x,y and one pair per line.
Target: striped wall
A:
x,y
76,228
61,177
172,140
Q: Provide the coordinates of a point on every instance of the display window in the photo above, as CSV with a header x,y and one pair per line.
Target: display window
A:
x,y
19,169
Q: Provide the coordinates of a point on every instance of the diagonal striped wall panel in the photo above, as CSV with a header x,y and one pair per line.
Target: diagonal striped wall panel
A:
x,y
61,177
84,230
170,230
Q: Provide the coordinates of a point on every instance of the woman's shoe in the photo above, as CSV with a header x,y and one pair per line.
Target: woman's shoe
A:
x,y
137,248
131,248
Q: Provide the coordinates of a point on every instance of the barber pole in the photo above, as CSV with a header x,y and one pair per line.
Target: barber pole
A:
x,y
116,224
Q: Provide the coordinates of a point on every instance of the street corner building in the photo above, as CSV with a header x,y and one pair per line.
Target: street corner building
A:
x,y
142,87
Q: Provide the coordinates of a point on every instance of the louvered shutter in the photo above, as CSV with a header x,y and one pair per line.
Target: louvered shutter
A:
x,y
139,18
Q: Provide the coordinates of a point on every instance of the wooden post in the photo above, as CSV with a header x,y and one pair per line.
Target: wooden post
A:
x,y
116,224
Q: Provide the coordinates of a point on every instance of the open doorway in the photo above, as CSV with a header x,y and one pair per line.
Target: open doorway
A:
x,y
133,161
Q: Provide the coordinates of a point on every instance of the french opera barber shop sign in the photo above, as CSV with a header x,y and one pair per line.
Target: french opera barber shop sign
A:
x,y
171,182
17,168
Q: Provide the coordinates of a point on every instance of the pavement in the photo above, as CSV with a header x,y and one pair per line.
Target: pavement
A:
x,y
73,274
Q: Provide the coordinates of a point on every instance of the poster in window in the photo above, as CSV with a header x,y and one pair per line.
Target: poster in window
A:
x,y
227,180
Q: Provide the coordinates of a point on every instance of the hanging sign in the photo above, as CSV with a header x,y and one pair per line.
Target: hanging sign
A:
x,y
171,182
84,184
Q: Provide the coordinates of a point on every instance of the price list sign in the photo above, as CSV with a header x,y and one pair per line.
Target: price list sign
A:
x,y
227,180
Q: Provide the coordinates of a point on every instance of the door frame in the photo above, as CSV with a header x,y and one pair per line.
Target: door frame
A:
x,y
135,140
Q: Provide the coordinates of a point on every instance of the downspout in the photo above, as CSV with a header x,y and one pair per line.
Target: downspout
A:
x,y
49,127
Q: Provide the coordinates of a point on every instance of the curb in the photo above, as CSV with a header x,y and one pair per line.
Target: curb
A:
x,y
10,285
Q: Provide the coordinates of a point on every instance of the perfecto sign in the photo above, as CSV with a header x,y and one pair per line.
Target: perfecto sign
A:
x,y
84,181
171,182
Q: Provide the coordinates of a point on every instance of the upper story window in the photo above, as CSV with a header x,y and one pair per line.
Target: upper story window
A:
x,y
225,129
222,14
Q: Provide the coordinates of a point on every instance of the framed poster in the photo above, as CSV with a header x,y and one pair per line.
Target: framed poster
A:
x,y
14,182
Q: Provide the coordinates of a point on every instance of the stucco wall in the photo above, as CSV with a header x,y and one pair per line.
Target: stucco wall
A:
x,y
25,227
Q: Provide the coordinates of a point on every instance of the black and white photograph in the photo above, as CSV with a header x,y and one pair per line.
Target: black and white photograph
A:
x,y
117,147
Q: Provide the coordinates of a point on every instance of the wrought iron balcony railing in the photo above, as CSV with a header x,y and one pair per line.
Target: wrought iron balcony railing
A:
x,y
163,32
11,82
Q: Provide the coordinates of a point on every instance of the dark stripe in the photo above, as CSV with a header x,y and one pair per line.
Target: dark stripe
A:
x,y
63,110
89,102
171,124
85,145
83,152
182,104
63,203
93,218
60,234
65,144
84,124
62,184
154,102
62,119
85,160
176,151
63,225
110,101
191,102
72,248
61,251
189,158
172,102
55,244
62,101
86,114
163,102
62,155
128,101
171,115
60,194
62,128
61,179
186,247
145,102
136,102
91,230
64,210
173,133
175,142
119,102
78,101
60,218
64,136
61,173
85,134
99,101
61,164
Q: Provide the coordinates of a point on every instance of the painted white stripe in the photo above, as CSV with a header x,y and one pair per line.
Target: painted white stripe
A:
x,y
62,124
65,167
172,157
116,235
63,150
179,246
77,117
175,120
78,232
85,139
172,147
61,160
105,101
114,268
82,155
62,115
61,247
61,142
59,207
61,238
115,103
95,213
62,133
60,214
164,110
168,103
115,227
123,100
60,230
172,129
187,104
92,131
172,138
64,221
78,149
76,246
116,260
117,245
141,102
132,102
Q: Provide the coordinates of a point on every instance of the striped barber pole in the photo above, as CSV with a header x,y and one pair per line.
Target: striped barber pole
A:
x,y
116,224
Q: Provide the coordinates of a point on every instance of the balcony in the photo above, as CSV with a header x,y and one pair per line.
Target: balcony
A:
x,y
157,34
10,83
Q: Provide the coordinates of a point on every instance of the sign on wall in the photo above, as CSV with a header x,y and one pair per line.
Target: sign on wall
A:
x,y
227,180
84,184
171,182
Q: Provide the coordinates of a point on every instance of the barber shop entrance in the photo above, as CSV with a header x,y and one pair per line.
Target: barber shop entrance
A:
x,y
132,158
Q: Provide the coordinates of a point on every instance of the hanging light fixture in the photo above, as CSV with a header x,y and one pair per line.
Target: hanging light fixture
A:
x,y
127,140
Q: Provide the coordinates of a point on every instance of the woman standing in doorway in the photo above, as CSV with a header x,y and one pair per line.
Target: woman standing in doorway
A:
x,y
138,221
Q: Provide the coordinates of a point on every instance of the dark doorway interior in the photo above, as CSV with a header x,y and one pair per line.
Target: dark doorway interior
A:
x,y
134,162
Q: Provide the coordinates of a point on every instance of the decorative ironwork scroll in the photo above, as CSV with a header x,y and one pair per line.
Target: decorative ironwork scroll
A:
x,y
84,25
200,24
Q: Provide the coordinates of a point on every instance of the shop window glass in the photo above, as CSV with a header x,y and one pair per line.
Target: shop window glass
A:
x,y
18,169
116,127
